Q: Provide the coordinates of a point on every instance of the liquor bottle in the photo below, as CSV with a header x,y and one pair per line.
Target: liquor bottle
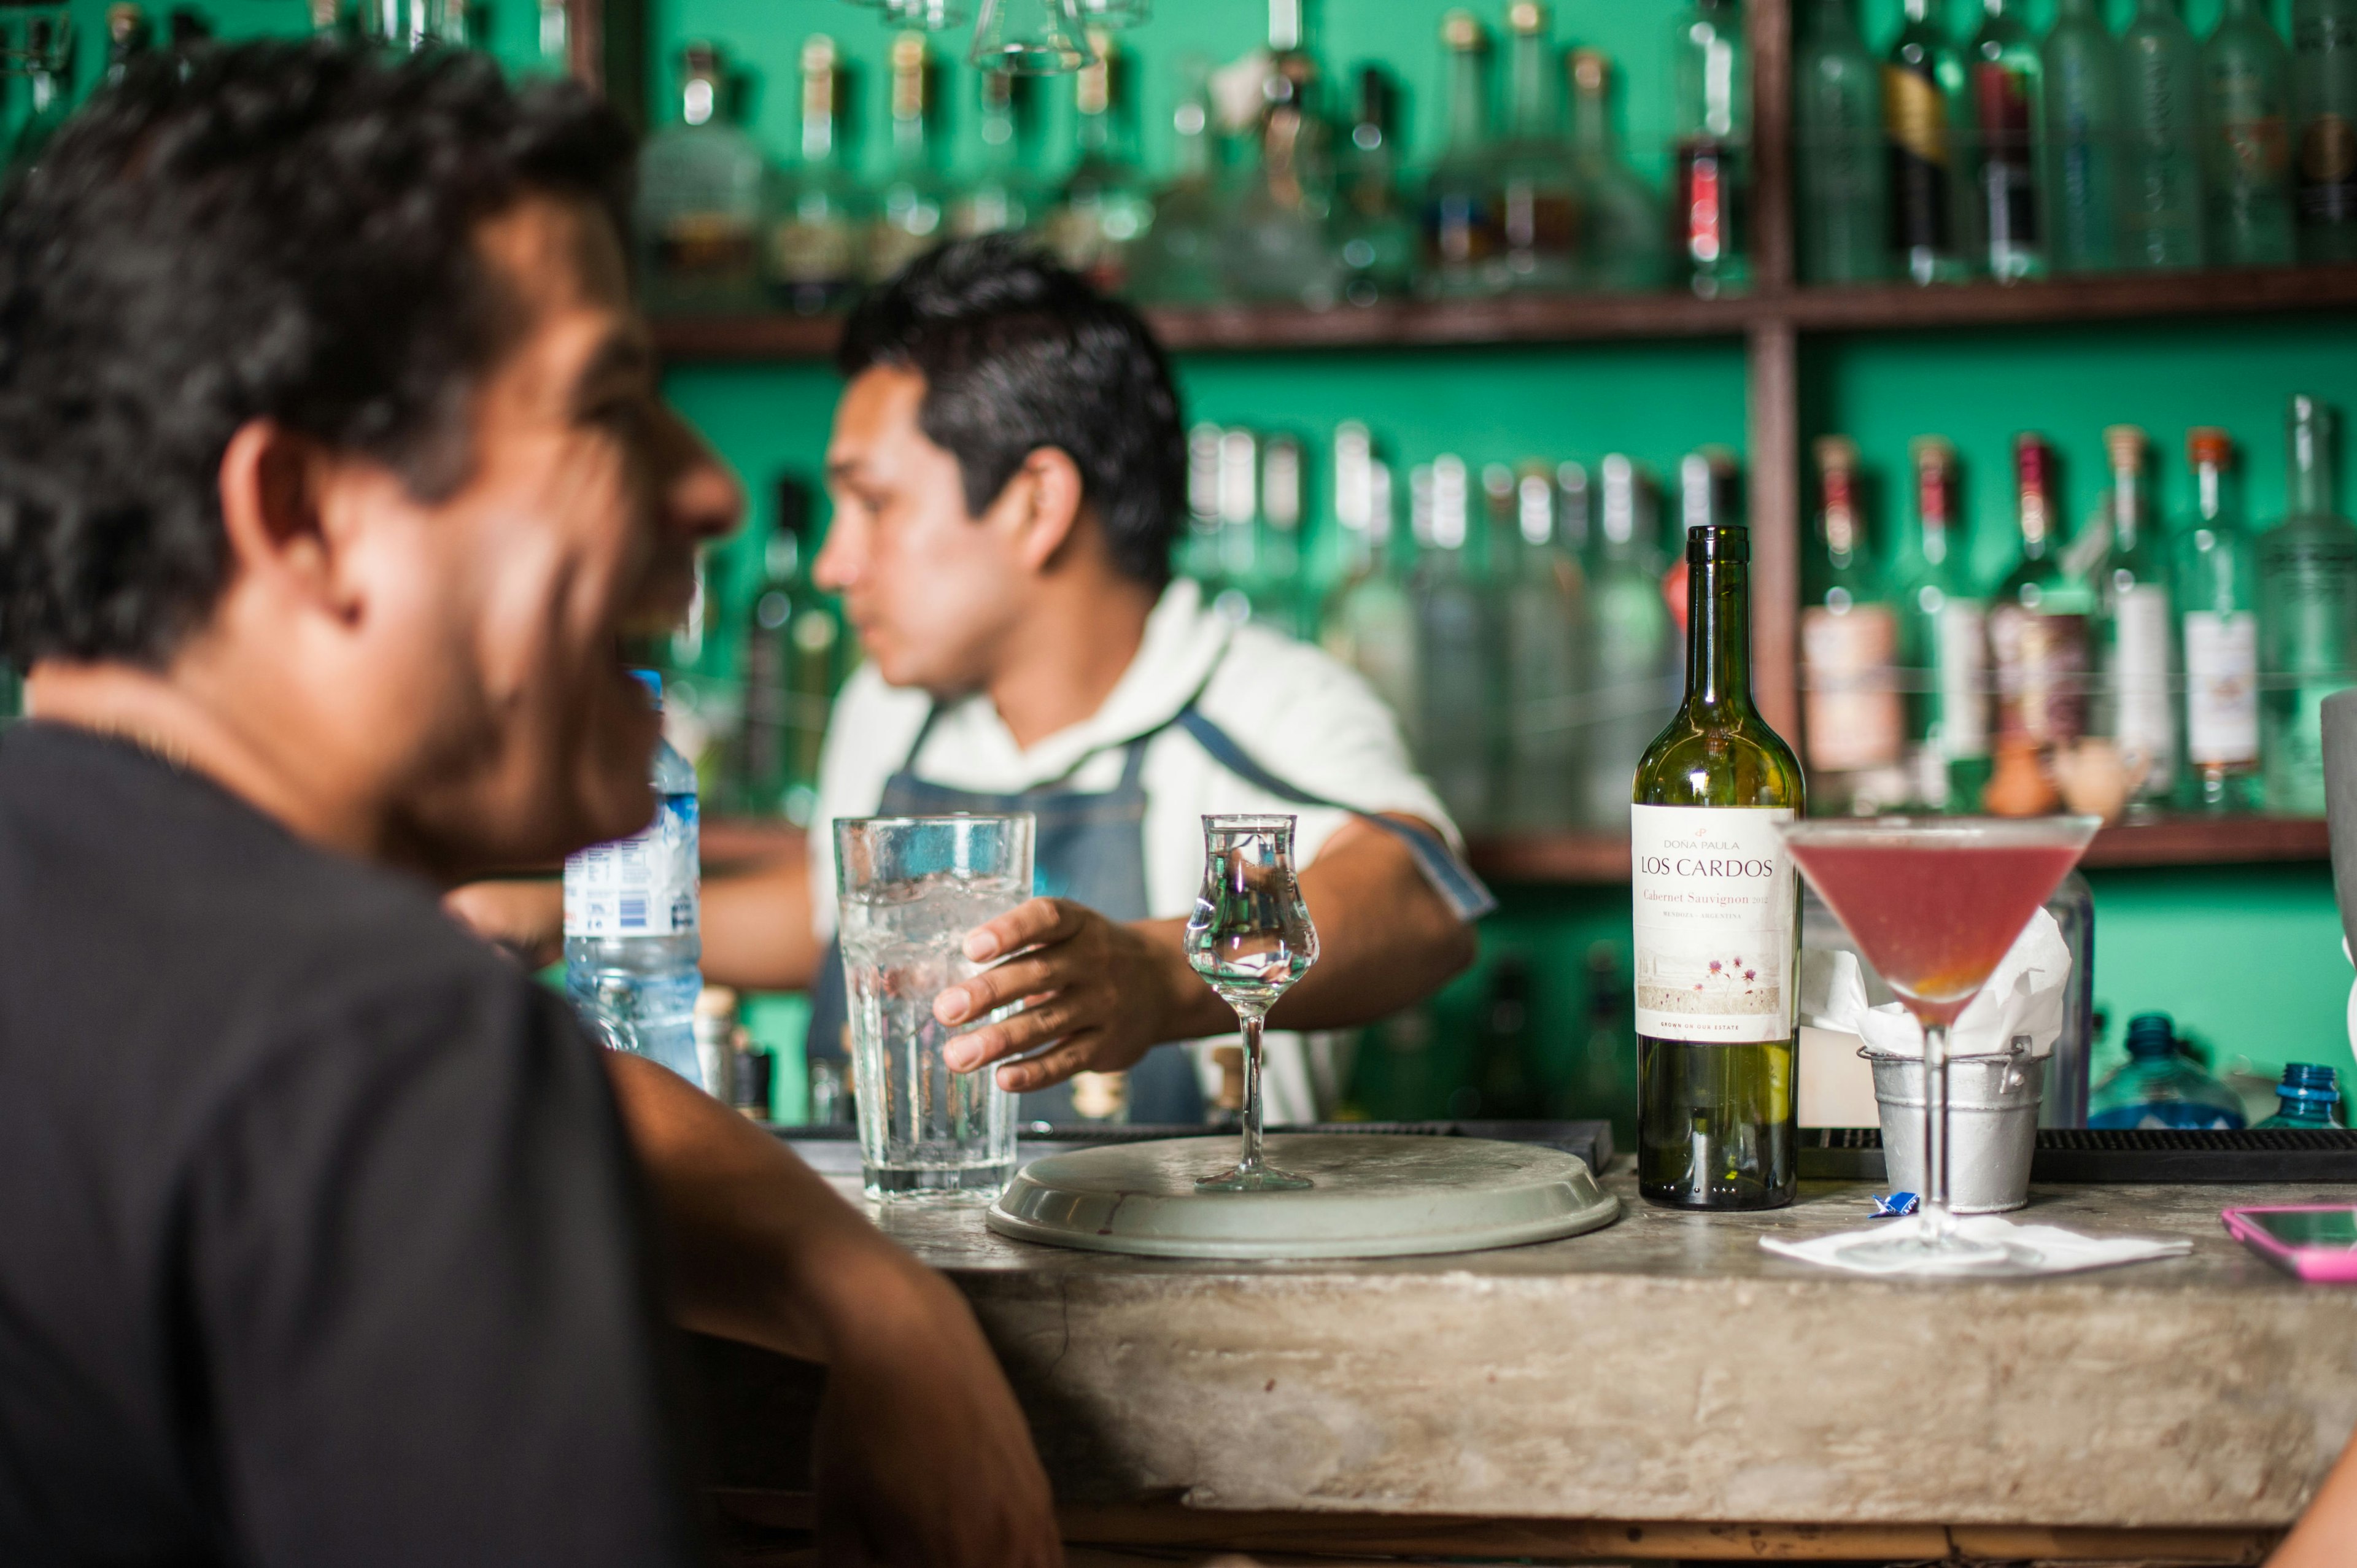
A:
x,y
1370,620
793,660
1544,614
1842,173
1621,234
818,236
1710,147
2160,143
1851,714
2040,622
1004,197
1538,209
2246,90
1177,262
910,208
700,198
1374,234
1236,563
1274,245
2324,110
2007,83
128,37
1199,553
2082,111
48,71
1632,650
2139,627
1105,209
1943,636
2307,617
1458,727
2217,584
1923,91
1463,233
1276,589
1717,909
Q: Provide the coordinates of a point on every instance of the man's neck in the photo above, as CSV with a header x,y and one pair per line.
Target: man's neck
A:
x,y
1067,656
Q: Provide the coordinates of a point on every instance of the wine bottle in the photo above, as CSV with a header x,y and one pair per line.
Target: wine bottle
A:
x,y
1718,912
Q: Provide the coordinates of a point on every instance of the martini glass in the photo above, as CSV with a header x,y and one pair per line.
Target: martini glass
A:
x,y
1250,939
1935,904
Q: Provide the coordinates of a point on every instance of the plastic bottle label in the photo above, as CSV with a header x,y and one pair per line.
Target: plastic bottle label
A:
x,y
2222,677
1715,907
2147,720
643,886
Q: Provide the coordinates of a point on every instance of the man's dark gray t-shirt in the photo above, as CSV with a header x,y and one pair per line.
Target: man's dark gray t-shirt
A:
x,y
318,1240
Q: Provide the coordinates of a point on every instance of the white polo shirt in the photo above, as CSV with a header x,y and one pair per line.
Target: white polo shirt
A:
x,y
1295,710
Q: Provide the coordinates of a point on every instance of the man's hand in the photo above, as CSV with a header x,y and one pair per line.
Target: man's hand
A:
x,y
525,919
1099,995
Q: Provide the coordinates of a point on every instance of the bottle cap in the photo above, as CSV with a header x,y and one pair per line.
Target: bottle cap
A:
x,y
1717,542
1460,31
818,52
2206,444
2152,1035
2124,444
1927,450
2312,1080
1836,453
1589,69
1526,17
653,681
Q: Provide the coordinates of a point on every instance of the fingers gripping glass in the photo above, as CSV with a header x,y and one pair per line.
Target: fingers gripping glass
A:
x,y
1250,939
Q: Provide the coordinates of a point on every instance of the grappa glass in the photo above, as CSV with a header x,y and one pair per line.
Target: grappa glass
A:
x,y
1250,939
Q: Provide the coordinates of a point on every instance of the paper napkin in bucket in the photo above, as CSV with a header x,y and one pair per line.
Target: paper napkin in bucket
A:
x,y
2022,1001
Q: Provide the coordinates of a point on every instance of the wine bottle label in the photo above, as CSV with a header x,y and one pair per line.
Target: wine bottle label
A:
x,y
2147,722
1963,731
2326,186
1915,114
2001,98
1851,707
2041,675
1716,905
2221,677
643,886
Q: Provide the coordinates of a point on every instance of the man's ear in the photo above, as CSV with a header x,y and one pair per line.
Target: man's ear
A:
x,y
1046,495
272,483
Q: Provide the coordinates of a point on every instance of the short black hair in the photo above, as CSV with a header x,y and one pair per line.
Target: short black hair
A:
x,y
1018,353
282,231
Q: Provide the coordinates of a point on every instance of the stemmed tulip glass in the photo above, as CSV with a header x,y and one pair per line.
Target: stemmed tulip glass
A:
x,y
1250,939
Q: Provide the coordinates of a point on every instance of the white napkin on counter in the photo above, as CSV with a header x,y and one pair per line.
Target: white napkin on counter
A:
x,y
2022,1001
2037,1248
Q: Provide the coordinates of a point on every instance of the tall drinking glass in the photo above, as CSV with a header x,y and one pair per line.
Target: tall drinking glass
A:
x,y
1935,905
909,889
1250,939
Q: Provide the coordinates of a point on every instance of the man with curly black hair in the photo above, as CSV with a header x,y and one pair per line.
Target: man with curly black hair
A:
x,y
333,472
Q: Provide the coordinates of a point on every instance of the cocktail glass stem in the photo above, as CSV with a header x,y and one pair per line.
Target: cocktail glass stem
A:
x,y
1937,1224
1248,1161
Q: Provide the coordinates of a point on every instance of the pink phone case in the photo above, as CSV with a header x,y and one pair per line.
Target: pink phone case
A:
x,y
2322,1265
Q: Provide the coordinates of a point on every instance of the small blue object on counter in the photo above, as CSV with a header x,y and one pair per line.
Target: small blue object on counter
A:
x,y
1896,1205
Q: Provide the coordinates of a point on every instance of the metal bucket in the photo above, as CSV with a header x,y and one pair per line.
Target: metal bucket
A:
x,y
1992,1126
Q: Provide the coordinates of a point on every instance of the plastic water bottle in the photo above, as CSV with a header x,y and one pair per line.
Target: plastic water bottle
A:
x,y
2160,1086
631,943
2305,1097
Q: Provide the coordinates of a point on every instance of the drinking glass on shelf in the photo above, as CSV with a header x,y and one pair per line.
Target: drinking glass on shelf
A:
x,y
1250,939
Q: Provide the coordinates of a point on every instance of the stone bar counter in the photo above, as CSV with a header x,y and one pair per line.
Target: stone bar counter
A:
x,y
1659,1388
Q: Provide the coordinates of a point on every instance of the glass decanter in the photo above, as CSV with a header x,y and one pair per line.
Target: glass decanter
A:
x,y
1251,940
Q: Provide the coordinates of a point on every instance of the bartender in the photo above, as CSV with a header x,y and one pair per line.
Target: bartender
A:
x,y
1007,469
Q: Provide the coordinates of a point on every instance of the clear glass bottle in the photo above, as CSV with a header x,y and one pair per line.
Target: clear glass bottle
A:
x,y
2139,625
1943,636
1236,570
1005,195
1620,241
911,208
2082,135
701,184
2217,584
1370,622
1539,198
2309,1095
2246,89
2162,205
1278,592
2324,114
2307,616
1632,649
1463,230
1374,234
2041,622
2007,85
1459,729
2159,1086
129,35
48,76
1179,261
1851,714
818,236
794,658
1105,209
1276,245
1710,147
1544,611
1841,176
1925,107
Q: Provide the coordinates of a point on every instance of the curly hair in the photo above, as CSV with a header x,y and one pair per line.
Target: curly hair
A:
x,y
1017,354
271,230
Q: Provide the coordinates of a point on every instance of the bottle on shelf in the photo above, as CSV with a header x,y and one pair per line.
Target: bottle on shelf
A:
x,y
1632,648
912,206
700,200
2007,85
1004,196
1544,616
2309,1095
1456,730
1621,235
793,660
2041,624
1710,147
1105,210
1463,230
1852,720
1538,207
129,35
1717,916
2140,626
48,96
1841,172
1370,621
1923,100
1276,594
2246,83
1236,564
1374,234
2307,616
2324,116
1178,261
818,235
2161,205
2081,131
1276,245
1198,552
2217,583
1944,637
2160,1086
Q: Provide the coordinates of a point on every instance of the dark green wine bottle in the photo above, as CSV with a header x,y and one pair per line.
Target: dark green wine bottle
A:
x,y
1717,906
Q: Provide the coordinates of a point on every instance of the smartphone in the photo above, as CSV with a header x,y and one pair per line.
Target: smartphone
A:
x,y
2317,1241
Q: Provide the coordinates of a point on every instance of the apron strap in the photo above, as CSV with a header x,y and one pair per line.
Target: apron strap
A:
x,y
1454,881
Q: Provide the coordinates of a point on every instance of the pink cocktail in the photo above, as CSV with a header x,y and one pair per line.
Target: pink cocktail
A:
x,y
1935,904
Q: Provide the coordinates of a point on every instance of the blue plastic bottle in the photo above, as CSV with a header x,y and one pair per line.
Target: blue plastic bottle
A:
x,y
2160,1086
631,943
2305,1097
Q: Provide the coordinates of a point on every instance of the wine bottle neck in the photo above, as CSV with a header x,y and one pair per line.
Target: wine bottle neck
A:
x,y
1718,636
